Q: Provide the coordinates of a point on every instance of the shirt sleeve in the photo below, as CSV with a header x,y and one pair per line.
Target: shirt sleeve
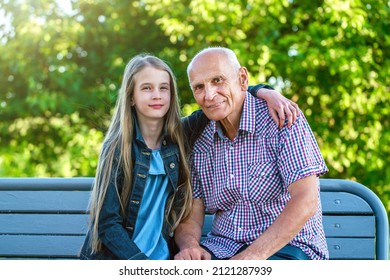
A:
x,y
299,154
253,89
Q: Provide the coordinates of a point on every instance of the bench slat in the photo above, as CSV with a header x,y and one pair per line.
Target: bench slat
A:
x,y
40,246
349,226
51,184
344,203
43,223
351,248
44,201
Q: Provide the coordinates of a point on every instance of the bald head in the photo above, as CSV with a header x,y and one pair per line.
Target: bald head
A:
x,y
214,53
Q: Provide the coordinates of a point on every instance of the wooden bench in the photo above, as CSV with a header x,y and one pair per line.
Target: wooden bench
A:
x,y
43,218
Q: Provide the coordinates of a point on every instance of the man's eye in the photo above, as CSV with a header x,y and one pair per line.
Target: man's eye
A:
x,y
198,87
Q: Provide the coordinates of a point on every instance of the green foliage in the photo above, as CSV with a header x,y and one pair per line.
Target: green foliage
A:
x,y
61,71
50,146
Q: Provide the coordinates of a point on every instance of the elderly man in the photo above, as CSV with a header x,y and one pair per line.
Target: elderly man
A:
x,y
260,181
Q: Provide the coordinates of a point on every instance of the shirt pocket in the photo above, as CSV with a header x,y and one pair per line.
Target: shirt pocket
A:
x,y
264,183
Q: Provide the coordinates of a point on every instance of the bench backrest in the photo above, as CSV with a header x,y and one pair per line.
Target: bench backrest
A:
x,y
43,217
48,218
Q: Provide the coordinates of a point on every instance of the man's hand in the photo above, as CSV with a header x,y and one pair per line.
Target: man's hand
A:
x,y
279,106
188,233
193,253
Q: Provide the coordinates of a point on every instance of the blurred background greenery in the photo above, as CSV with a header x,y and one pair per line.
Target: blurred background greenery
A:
x,y
61,63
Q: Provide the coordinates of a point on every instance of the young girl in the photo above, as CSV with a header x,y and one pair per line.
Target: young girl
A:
x,y
142,186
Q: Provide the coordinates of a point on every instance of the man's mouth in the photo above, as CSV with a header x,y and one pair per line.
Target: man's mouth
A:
x,y
215,105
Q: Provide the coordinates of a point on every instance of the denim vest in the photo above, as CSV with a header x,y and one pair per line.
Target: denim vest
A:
x,y
114,231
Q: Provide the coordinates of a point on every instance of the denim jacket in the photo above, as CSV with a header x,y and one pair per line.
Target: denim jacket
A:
x,y
114,231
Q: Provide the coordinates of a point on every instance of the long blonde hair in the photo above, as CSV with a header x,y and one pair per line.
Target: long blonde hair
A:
x,y
117,146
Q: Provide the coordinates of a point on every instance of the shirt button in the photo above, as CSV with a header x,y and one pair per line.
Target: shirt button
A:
x,y
172,165
164,142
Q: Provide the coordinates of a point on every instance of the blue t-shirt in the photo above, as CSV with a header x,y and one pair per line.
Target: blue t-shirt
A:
x,y
148,230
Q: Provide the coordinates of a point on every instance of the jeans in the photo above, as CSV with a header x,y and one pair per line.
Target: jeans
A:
x,y
288,252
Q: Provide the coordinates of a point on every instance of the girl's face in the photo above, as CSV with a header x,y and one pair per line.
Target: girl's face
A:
x,y
152,93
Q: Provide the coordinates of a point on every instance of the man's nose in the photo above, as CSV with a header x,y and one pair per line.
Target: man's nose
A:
x,y
209,92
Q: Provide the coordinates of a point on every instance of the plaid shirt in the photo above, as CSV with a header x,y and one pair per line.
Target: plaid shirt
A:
x,y
244,181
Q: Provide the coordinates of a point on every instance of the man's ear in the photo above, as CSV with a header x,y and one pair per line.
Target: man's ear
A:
x,y
243,77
